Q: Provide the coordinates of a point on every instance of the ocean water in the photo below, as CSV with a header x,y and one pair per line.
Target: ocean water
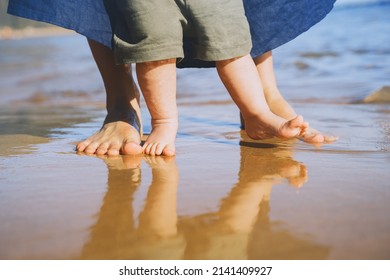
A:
x,y
346,55
223,195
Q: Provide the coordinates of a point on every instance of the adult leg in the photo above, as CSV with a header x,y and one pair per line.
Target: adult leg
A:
x,y
157,80
121,131
242,81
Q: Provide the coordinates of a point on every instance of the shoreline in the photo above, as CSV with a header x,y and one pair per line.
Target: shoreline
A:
x,y
9,33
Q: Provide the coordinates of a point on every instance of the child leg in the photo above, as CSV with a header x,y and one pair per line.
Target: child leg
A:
x,y
242,81
277,103
157,80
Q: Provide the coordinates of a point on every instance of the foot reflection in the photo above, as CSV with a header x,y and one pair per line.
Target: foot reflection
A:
x,y
113,232
157,234
240,229
115,235
227,234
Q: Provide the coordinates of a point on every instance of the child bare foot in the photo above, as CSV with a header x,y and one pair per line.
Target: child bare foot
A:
x,y
261,127
157,80
277,104
316,137
161,140
117,136
243,83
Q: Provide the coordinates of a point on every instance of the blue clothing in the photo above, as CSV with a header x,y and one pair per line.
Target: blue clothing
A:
x,y
276,22
272,22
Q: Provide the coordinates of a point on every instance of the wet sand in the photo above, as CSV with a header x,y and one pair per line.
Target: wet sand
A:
x,y
223,196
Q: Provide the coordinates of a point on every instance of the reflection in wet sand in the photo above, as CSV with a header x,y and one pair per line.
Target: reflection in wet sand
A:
x,y
240,229
115,236
158,233
268,240
271,242
113,231
236,228
17,144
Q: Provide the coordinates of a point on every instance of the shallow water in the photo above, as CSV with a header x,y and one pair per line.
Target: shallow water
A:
x,y
223,196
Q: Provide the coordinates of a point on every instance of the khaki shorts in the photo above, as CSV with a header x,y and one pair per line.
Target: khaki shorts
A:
x,y
150,30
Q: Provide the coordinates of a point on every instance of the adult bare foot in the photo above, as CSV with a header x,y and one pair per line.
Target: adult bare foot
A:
x,y
119,135
122,130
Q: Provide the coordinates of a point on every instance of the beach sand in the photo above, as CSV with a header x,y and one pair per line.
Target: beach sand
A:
x,y
223,196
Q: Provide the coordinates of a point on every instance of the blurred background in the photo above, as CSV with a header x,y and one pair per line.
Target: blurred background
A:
x,y
14,22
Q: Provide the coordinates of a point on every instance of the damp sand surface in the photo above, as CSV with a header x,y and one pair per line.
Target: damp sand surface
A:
x,y
223,196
